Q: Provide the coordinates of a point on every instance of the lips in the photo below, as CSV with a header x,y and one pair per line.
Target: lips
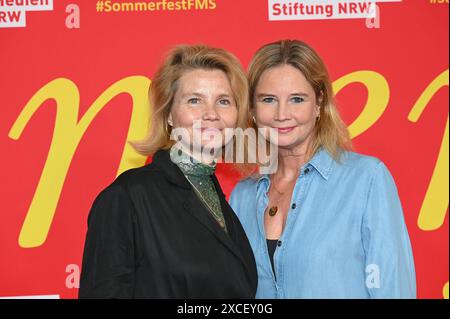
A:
x,y
209,129
284,130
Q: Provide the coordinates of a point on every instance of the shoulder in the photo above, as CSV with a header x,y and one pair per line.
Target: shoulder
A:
x,y
358,172
357,160
135,177
129,181
243,194
359,169
361,164
119,196
245,186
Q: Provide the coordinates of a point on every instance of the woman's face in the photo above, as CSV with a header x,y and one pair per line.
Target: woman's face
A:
x,y
205,96
287,103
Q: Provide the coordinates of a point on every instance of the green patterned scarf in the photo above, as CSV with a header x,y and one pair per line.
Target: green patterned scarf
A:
x,y
199,175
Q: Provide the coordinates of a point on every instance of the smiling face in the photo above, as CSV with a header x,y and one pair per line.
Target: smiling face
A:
x,y
286,102
206,96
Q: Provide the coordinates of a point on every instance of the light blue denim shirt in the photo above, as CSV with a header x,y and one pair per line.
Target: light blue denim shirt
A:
x,y
345,237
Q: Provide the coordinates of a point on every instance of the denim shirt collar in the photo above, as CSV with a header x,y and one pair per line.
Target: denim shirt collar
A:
x,y
322,162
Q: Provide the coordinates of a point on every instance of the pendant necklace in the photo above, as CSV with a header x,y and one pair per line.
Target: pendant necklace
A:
x,y
274,209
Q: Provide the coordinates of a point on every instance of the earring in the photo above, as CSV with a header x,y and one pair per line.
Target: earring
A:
x,y
168,126
254,119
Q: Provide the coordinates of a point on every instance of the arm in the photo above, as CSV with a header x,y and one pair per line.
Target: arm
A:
x,y
108,259
389,260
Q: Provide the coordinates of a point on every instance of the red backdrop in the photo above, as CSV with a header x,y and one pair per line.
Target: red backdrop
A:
x,y
60,145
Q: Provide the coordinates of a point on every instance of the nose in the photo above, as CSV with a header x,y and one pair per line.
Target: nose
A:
x,y
283,112
210,113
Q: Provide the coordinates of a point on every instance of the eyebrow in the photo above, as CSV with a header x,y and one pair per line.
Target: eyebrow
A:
x,y
273,95
192,94
201,95
224,95
299,94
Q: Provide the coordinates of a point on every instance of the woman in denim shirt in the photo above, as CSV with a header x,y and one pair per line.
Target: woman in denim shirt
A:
x,y
328,223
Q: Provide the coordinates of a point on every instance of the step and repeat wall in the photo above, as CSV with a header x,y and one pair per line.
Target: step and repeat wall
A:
x,y
74,78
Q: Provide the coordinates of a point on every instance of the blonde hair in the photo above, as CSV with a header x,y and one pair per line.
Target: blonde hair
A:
x,y
331,133
165,83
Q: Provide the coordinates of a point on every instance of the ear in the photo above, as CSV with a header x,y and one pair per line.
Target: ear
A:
x,y
253,115
320,98
319,102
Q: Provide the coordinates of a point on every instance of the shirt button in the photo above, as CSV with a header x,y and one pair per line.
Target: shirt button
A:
x,y
279,243
294,206
307,171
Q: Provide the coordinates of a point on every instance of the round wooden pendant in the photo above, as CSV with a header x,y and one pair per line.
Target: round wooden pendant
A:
x,y
273,210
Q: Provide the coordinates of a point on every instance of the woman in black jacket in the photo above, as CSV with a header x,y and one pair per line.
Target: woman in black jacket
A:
x,y
165,230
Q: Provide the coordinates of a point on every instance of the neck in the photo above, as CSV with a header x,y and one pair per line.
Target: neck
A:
x,y
291,160
199,156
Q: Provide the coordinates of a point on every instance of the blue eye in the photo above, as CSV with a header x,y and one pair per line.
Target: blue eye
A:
x,y
268,100
297,99
224,102
194,101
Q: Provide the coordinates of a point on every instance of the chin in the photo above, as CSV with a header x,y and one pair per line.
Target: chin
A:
x,y
290,144
286,142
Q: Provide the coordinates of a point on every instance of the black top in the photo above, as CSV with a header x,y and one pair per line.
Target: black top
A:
x,y
150,236
272,246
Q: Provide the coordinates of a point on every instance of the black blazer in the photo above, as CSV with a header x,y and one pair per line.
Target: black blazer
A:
x,y
150,236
